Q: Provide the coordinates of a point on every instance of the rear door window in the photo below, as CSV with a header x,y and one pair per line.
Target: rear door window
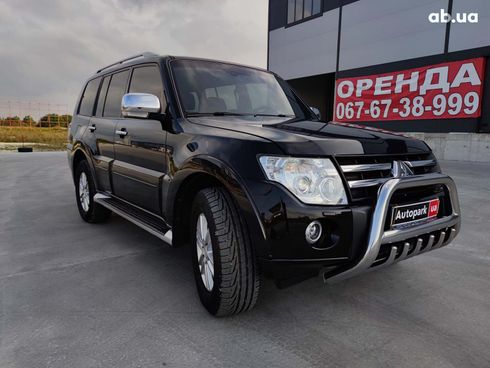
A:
x,y
102,94
88,99
115,93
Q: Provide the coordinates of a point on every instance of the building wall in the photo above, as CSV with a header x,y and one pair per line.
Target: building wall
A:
x,y
306,48
478,35
381,31
371,32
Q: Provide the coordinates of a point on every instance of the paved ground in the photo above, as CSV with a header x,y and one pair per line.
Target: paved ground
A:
x,y
79,295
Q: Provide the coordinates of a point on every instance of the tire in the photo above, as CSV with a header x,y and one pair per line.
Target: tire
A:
x,y
236,281
89,210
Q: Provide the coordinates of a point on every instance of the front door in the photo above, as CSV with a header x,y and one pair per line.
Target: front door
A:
x,y
139,148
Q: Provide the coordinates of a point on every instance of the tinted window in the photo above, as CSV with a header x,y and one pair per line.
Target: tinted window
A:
x,y
88,98
147,80
207,87
307,8
117,88
317,7
303,9
102,94
291,5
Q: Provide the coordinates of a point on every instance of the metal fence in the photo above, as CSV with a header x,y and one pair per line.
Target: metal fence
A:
x,y
16,113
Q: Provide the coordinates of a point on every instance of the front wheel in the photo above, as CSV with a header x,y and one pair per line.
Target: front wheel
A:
x,y
225,268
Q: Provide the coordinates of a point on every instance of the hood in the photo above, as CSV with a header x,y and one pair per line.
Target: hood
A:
x,y
318,138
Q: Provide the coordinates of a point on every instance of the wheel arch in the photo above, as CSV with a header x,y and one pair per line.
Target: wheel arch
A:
x,y
78,154
202,172
78,157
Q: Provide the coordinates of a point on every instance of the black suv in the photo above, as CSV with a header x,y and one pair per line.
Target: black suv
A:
x,y
228,159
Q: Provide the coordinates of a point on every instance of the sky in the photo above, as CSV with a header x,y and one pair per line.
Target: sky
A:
x,y
49,48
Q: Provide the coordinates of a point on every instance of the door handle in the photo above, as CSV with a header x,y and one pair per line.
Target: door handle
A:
x,y
92,128
122,132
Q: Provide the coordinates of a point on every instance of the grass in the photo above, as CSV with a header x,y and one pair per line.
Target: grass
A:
x,y
42,139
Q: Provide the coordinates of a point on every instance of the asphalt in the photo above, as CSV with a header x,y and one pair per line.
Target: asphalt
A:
x,y
111,295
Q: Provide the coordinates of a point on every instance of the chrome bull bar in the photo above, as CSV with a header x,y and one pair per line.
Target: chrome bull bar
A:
x,y
437,232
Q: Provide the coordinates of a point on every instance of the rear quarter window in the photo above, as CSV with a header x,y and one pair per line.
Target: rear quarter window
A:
x,y
88,98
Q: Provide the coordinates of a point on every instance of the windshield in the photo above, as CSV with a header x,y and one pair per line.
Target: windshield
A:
x,y
208,87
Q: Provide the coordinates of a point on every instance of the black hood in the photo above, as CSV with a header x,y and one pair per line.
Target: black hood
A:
x,y
318,138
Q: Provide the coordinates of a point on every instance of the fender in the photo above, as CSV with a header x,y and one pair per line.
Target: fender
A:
x,y
223,173
79,146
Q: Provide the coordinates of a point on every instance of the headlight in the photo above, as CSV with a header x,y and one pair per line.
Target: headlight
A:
x,y
311,180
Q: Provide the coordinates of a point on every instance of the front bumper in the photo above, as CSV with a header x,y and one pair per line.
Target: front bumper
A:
x,y
402,243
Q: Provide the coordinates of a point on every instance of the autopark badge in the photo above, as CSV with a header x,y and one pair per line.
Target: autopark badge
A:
x,y
411,213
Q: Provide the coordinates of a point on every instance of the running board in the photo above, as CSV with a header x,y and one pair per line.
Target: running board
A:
x,y
138,216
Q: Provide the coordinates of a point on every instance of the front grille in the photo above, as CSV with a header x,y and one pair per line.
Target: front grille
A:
x,y
366,173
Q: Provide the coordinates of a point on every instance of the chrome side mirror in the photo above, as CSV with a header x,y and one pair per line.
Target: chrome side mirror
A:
x,y
139,105
316,111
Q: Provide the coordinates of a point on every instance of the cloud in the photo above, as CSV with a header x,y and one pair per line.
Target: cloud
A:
x,y
48,48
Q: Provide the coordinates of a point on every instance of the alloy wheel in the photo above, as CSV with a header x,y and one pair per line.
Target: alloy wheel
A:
x,y
84,192
204,249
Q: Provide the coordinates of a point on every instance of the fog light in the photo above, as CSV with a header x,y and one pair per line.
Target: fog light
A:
x,y
313,232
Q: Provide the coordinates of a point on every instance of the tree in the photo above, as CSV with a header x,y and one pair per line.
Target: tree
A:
x,y
65,120
10,120
28,120
52,120
48,120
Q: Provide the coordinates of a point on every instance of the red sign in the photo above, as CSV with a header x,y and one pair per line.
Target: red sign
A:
x,y
433,207
441,91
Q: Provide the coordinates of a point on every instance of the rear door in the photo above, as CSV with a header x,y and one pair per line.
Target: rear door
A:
x,y
140,150
100,141
103,124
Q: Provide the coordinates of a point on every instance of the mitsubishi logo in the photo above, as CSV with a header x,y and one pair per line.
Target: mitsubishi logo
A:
x,y
401,168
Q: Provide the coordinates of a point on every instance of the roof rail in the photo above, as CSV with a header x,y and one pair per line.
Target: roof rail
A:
x,y
142,55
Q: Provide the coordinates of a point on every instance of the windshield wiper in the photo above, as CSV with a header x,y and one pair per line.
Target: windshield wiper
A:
x,y
228,113
275,115
216,113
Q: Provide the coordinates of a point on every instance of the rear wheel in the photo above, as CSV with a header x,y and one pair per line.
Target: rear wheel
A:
x,y
225,268
85,191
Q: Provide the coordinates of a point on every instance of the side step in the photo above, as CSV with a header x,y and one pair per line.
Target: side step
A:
x,y
138,216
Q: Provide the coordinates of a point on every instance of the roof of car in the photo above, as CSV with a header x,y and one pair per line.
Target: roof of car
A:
x,y
218,61
152,57
129,61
